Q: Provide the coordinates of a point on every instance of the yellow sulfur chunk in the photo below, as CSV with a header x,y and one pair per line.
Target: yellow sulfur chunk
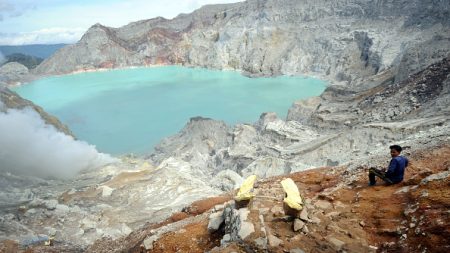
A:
x,y
246,190
293,199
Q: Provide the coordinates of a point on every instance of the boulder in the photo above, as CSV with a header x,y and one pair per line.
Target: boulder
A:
x,y
298,225
215,220
274,241
337,244
148,242
304,214
293,202
323,204
13,72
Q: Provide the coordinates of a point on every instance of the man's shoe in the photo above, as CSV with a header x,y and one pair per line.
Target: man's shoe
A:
x,y
372,184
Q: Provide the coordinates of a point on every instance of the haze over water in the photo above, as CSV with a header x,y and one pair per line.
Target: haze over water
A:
x,y
131,110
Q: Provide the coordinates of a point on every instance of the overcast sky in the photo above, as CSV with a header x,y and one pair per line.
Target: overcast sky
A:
x,y
65,21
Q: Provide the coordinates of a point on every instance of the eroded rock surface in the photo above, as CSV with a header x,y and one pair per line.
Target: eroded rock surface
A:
x,y
13,73
378,56
343,40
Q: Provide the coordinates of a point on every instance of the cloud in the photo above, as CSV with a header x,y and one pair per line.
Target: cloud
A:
x,y
29,146
64,21
43,36
16,8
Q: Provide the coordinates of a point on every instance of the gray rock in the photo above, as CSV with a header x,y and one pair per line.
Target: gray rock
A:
x,y
277,211
274,241
296,250
298,225
437,176
261,242
30,212
148,242
315,220
246,228
62,209
304,214
266,167
227,180
215,220
323,204
13,73
337,244
219,208
305,229
225,239
51,204
106,191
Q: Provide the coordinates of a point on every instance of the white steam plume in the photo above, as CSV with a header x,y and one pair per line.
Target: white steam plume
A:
x,y
2,59
30,146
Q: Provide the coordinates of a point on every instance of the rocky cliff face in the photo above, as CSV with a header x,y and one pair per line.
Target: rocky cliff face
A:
x,y
393,55
340,127
345,40
13,73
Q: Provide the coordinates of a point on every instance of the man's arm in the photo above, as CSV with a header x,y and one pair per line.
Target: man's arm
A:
x,y
392,167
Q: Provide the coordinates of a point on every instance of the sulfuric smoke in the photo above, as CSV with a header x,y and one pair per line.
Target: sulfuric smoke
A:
x,y
2,58
30,146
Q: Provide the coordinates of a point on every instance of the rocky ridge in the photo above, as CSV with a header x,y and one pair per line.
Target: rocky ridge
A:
x,y
339,127
344,41
13,73
126,201
341,213
346,126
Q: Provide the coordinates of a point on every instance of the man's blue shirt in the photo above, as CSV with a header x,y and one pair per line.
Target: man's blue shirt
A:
x,y
396,169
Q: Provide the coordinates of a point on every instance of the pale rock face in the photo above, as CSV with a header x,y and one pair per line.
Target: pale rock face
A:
x,y
215,220
244,140
205,136
266,167
302,110
344,41
227,180
129,194
12,73
371,45
342,126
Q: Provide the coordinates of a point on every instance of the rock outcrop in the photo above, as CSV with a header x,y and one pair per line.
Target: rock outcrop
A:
x,y
338,127
395,90
13,73
341,40
341,214
112,201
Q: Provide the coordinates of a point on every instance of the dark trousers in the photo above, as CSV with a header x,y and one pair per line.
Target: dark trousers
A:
x,y
373,172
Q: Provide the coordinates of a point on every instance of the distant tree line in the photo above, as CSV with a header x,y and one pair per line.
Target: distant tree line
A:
x,y
29,61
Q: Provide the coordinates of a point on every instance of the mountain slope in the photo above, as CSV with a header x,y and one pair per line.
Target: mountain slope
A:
x,y
345,40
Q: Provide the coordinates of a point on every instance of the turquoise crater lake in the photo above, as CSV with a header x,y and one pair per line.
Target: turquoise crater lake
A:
x,y
131,110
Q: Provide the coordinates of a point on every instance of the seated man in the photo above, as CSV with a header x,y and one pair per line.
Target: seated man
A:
x,y
396,170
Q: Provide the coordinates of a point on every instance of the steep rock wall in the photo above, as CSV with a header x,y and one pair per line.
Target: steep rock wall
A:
x,y
344,40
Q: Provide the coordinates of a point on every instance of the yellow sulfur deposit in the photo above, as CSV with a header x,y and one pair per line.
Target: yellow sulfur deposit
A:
x,y
246,190
293,199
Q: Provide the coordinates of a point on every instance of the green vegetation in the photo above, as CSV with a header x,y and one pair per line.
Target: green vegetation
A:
x,y
30,62
41,51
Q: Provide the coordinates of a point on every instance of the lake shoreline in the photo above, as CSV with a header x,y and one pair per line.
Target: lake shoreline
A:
x,y
233,90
